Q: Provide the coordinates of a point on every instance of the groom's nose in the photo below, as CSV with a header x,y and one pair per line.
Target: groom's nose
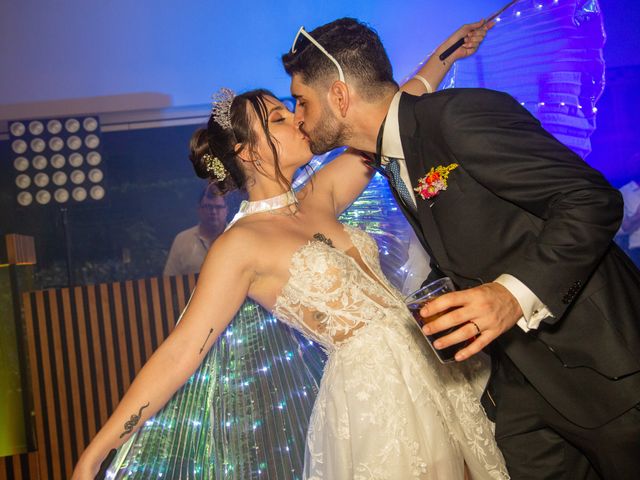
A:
x,y
298,117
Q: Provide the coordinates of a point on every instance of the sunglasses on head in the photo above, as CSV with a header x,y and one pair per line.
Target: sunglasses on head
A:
x,y
298,43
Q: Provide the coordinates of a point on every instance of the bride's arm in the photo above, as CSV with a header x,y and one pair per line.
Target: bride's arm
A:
x,y
222,287
432,70
352,164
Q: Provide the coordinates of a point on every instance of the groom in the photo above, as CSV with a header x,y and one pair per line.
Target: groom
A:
x,y
520,223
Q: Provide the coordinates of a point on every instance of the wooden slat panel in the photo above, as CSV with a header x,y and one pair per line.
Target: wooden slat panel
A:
x,y
157,311
48,398
144,317
108,323
82,323
180,291
84,343
21,249
168,298
74,372
59,380
95,348
122,335
135,337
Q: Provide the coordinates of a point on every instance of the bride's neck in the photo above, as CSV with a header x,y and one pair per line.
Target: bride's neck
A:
x,y
265,189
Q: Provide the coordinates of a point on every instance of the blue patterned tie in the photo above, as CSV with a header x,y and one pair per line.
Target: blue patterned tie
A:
x,y
393,171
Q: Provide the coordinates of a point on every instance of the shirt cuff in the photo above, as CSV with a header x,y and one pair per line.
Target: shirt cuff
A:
x,y
533,310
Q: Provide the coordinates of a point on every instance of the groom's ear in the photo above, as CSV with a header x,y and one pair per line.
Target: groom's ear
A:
x,y
339,97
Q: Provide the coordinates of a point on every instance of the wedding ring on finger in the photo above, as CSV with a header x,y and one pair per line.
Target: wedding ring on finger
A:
x,y
475,325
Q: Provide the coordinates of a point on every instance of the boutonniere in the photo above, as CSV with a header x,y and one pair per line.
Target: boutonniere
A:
x,y
434,181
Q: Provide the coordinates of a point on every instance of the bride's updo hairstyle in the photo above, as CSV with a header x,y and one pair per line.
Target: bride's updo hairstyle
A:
x,y
219,142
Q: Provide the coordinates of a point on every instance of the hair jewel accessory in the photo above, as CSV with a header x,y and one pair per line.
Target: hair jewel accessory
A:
x,y
221,107
214,164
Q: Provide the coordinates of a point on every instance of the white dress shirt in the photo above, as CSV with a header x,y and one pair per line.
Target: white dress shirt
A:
x,y
534,311
187,253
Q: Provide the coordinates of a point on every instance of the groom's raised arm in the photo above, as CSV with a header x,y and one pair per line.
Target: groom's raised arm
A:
x,y
505,149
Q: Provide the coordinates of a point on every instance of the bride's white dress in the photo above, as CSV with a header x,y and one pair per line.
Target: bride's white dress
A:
x,y
386,409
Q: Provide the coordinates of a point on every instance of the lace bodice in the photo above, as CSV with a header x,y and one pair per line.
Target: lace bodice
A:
x,y
332,293
375,377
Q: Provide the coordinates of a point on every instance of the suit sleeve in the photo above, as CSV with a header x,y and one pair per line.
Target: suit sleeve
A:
x,y
506,150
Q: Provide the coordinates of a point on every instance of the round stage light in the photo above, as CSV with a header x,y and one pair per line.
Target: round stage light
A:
x,y
41,180
21,164
36,127
43,197
59,178
94,158
97,192
19,146
23,181
77,177
39,162
54,127
72,125
58,161
25,198
56,144
38,145
17,129
92,141
75,159
96,175
74,142
90,124
79,194
61,195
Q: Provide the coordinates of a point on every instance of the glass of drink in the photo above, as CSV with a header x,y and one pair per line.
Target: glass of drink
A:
x,y
418,299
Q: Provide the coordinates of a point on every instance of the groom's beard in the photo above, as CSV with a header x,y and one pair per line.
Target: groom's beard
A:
x,y
328,134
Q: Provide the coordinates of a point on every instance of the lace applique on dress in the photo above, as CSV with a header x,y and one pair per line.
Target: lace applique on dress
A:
x,y
386,408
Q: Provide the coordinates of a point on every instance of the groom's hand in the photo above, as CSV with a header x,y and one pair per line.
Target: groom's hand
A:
x,y
483,313
473,34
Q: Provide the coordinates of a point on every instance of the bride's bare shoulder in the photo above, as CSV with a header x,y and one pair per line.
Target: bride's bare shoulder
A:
x,y
250,237
242,236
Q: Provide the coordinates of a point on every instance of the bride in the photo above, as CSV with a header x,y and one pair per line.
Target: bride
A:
x,y
386,407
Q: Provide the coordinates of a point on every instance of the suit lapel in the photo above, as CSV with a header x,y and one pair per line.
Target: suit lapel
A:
x,y
418,164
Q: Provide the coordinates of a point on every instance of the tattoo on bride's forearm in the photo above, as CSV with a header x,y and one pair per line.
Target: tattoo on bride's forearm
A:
x,y
133,421
206,340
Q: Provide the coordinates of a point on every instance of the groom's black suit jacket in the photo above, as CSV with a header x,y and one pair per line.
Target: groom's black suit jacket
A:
x,y
522,203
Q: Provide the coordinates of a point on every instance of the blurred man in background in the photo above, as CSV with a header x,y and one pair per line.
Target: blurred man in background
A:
x,y
191,245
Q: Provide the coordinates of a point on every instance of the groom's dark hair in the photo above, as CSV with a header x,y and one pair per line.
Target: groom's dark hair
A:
x,y
358,50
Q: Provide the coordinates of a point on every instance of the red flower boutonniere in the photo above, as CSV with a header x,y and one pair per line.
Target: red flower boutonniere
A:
x,y
434,181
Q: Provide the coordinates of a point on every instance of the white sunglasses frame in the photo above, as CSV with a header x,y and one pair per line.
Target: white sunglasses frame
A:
x,y
304,33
